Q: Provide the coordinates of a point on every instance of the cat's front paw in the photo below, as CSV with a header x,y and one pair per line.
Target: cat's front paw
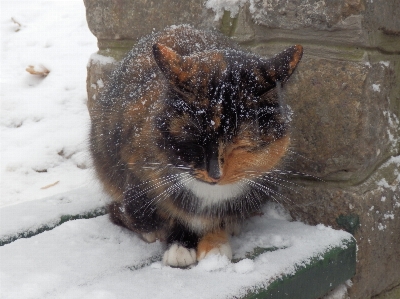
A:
x,y
222,249
179,256
214,243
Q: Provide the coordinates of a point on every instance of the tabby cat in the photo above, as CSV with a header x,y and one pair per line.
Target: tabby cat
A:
x,y
186,137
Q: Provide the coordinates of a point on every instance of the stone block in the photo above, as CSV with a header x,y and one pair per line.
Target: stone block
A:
x,y
370,211
342,114
131,20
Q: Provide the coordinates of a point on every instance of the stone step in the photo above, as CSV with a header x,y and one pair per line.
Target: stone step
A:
x,y
273,257
30,218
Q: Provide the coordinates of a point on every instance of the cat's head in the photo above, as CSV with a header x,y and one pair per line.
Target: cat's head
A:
x,y
222,121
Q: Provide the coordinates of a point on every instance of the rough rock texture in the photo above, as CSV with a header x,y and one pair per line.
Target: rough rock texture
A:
x,y
345,98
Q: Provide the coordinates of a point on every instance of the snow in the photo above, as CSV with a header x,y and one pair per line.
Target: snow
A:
x,y
340,292
219,6
376,87
395,185
385,63
31,216
92,258
44,119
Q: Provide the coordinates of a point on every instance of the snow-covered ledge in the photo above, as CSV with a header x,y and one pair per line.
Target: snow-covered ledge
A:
x,y
275,257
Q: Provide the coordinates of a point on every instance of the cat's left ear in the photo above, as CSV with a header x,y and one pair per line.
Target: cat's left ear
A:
x,y
179,70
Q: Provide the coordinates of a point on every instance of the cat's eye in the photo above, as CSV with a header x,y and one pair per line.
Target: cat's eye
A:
x,y
246,148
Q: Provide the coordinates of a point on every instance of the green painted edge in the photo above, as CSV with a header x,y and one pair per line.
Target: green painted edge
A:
x,y
350,222
314,280
46,227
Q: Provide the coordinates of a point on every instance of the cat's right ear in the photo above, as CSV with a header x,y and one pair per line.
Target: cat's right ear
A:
x,y
278,68
176,68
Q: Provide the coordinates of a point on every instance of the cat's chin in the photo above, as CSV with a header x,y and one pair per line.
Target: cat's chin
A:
x,y
211,194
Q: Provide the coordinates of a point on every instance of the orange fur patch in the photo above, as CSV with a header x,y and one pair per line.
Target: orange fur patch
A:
x,y
296,58
240,163
210,241
203,176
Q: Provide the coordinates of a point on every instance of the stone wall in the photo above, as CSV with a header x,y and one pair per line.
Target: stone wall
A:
x,y
345,96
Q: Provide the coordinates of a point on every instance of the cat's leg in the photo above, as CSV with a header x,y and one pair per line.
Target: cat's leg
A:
x,y
181,250
137,218
216,242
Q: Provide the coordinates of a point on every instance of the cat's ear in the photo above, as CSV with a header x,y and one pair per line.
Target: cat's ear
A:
x,y
176,68
278,68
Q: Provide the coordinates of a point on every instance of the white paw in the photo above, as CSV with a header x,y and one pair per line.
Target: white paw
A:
x,y
153,236
179,256
149,237
223,249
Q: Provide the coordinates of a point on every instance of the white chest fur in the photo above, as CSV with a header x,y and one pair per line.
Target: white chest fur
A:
x,y
214,194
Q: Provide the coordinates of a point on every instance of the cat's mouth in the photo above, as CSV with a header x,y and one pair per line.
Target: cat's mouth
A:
x,y
205,177
212,192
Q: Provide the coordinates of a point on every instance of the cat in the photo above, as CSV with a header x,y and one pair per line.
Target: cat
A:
x,y
186,136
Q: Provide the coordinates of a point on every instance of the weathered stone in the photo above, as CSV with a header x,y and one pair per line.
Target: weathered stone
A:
x,y
317,14
131,20
371,211
345,98
340,111
99,69
385,18
355,23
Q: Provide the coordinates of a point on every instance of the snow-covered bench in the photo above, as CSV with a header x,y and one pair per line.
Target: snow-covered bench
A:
x,y
65,247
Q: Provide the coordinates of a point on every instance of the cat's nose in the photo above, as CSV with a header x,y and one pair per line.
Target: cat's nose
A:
x,y
213,170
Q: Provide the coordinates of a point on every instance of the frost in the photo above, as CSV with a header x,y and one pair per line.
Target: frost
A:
x,y
392,119
100,83
395,185
381,226
376,87
288,114
385,63
219,6
388,216
383,183
100,59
